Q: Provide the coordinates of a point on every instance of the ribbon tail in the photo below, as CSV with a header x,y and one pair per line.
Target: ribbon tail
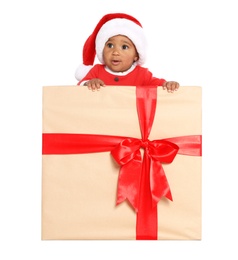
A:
x,y
158,183
129,183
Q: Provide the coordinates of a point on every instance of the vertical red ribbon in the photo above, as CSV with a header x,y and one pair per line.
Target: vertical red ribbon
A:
x,y
146,222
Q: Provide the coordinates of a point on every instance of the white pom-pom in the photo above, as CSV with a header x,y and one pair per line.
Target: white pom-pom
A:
x,y
82,71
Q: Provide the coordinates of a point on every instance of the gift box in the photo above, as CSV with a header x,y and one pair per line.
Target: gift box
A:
x,y
122,163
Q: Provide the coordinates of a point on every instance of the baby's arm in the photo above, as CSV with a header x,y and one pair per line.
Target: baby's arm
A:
x,y
171,86
94,84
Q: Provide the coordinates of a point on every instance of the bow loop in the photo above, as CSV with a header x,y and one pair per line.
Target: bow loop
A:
x,y
126,150
163,151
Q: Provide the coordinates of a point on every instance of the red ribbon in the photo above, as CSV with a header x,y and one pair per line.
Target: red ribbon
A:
x,y
141,180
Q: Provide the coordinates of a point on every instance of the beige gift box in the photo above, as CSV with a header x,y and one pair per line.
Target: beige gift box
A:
x,y
79,190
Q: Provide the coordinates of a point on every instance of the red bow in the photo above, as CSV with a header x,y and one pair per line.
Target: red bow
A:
x,y
127,153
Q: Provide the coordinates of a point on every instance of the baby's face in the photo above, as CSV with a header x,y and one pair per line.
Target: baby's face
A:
x,y
119,53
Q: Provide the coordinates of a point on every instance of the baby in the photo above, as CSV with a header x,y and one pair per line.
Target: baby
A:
x,y
119,42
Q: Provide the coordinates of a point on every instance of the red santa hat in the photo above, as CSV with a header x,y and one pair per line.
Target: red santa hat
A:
x,y
110,25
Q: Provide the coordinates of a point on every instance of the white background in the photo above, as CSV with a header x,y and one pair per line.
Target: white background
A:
x,y
193,42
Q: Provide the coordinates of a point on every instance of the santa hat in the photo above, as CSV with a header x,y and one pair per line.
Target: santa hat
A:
x,y
109,26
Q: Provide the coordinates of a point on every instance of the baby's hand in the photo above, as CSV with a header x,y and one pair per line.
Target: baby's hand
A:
x,y
94,84
171,86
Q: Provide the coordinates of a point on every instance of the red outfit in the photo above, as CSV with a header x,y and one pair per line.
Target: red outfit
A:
x,y
138,77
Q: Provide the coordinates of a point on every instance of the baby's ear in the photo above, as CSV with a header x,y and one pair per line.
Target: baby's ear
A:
x,y
136,58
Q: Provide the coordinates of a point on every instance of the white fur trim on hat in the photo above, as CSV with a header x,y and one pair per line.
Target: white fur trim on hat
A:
x,y
82,71
123,27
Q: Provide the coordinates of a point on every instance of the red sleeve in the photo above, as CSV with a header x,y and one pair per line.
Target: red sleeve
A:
x,y
93,73
149,79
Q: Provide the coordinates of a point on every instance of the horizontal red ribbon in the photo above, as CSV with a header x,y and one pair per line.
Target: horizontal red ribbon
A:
x,y
64,143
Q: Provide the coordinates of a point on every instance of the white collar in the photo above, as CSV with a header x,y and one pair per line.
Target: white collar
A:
x,y
121,73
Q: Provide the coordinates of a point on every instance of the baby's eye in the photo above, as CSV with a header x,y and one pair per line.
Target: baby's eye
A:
x,y
109,45
125,47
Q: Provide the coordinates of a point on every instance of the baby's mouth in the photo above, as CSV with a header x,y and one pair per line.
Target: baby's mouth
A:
x,y
115,62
